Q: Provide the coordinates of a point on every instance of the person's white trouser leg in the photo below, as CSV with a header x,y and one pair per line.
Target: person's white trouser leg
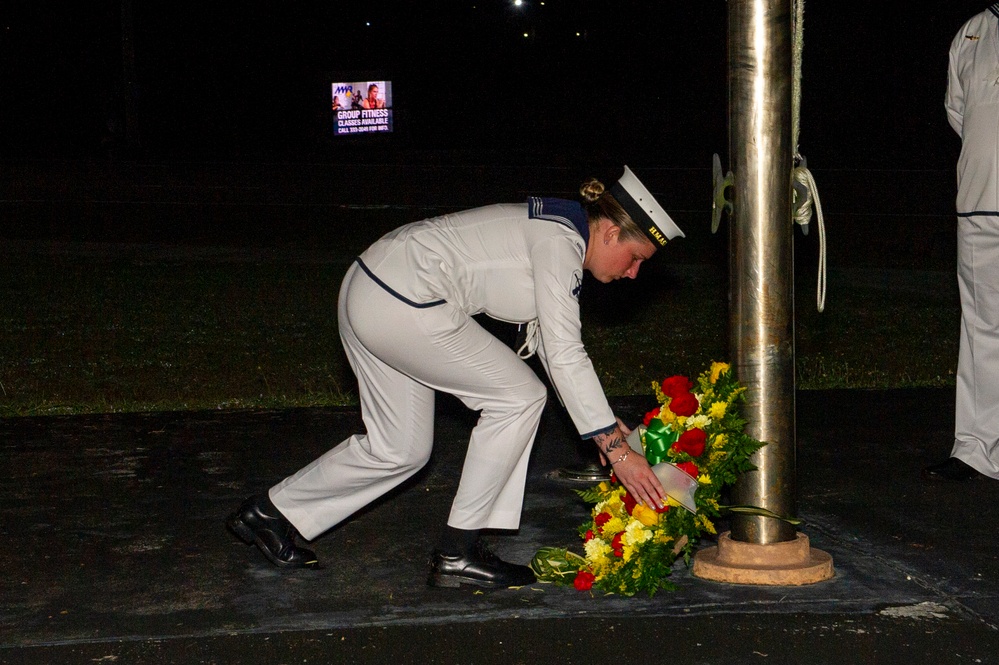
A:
x,y
401,354
976,431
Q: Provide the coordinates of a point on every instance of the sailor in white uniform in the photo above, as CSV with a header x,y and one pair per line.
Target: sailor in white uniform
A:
x,y
405,319
972,103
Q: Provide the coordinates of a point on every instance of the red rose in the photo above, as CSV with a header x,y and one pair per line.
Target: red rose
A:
x,y
616,544
691,442
654,413
676,385
588,536
663,508
689,468
629,502
684,404
584,580
601,519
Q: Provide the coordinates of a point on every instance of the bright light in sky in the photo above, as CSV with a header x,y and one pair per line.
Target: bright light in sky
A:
x,y
518,3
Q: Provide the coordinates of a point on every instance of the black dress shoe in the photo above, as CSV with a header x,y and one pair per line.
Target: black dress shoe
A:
x,y
479,567
951,469
258,522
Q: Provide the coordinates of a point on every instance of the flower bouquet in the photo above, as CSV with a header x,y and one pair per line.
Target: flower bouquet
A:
x,y
630,547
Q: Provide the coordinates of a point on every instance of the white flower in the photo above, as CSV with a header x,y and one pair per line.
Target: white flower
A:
x,y
700,420
596,549
635,533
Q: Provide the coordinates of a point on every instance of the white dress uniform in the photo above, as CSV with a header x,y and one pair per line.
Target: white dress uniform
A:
x,y
405,311
972,103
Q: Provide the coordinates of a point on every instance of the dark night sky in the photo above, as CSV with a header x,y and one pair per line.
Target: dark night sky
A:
x,y
220,80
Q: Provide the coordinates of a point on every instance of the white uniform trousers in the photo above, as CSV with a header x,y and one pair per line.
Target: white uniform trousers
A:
x,y
976,431
401,354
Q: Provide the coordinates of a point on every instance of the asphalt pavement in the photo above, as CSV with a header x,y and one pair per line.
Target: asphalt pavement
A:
x,y
114,551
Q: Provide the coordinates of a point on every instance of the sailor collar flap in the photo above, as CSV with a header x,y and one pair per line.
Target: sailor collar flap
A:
x,y
565,212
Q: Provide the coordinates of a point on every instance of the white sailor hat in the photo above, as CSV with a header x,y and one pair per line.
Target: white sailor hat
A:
x,y
643,208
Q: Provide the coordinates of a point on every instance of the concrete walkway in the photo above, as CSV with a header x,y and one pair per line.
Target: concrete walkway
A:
x,y
115,551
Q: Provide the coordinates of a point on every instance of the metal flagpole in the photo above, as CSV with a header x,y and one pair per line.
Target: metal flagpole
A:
x,y
761,275
763,550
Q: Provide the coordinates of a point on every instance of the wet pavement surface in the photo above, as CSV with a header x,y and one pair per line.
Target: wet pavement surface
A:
x,y
114,550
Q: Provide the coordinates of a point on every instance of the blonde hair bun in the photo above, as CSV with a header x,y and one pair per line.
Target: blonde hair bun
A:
x,y
591,190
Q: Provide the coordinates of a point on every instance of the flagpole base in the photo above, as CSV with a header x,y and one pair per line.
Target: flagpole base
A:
x,y
790,563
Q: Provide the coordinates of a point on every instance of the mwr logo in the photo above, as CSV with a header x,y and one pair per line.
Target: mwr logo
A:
x,y
348,89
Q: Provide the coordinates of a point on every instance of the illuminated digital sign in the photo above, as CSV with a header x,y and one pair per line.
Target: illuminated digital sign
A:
x,y
361,107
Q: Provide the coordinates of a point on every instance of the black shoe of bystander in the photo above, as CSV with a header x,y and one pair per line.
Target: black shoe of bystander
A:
x,y
951,469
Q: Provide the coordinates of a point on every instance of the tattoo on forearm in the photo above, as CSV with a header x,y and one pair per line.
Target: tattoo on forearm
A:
x,y
607,443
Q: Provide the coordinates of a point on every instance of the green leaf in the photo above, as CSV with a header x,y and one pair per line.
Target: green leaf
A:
x,y
591,495
760,512
556,564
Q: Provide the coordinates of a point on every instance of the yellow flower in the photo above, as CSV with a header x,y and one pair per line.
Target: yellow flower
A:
x,y
717,369
597,550
635,533
717,410
645,515
704,478
706,524
716,456
662,537
613,526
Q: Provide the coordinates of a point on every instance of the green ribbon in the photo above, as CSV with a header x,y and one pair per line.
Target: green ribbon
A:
x,y
659,437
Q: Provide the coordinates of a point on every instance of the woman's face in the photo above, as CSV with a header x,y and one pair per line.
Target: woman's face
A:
x,y
608,257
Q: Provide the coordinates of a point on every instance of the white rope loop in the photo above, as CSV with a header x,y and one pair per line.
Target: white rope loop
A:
x,y
801,174
803,215
531,340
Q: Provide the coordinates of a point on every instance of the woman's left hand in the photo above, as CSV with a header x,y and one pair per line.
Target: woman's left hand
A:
x,y
631,468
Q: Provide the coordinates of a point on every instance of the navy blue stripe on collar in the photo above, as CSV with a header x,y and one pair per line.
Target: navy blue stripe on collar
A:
x,y
569,213
994,9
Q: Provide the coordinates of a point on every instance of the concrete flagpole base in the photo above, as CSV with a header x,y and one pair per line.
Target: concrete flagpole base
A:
x,y
789,563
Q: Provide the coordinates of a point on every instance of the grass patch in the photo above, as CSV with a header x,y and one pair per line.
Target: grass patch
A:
x,y
97,334
92,329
